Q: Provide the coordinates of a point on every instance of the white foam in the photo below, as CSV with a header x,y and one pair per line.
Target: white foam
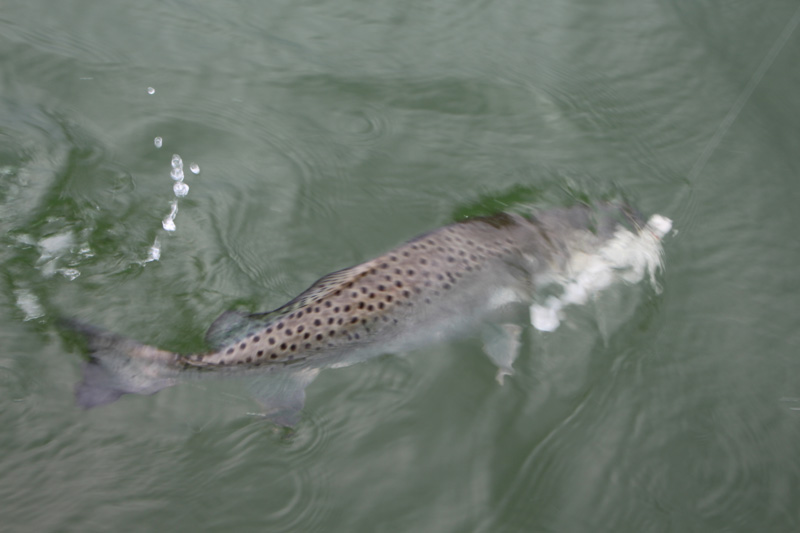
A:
x,y
29,304
628,256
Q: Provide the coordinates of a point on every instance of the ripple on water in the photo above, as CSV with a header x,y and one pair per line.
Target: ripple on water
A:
x,y
291,493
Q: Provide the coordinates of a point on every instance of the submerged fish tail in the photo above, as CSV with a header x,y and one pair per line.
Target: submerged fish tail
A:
x,y
118,365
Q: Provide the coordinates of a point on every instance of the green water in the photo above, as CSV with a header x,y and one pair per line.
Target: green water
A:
x,y
328,132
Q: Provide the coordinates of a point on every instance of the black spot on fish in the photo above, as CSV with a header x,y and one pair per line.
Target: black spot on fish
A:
x,y
293,347
319,336
256,338
271,340
330,321
288,332
230,351
260,353
283,346
346,308
381,288
249,360
317,322
300,329
361,305
354,320
280,325
273,356
243,345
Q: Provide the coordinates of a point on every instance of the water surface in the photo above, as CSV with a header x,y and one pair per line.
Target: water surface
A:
x,y
328,132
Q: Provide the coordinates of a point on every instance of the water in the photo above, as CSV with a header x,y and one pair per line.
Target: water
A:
x,y
330,132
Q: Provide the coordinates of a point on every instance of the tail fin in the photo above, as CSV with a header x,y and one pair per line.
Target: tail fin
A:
x,y
118,365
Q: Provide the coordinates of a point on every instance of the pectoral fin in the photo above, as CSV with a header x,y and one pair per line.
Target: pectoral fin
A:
x,y
282,396
501,343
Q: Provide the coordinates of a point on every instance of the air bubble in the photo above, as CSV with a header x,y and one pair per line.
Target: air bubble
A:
x,y
151,90
158,141
176,174
177,162
195,168
180,189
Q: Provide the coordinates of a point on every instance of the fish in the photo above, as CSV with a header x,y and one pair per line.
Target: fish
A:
x,y
471,275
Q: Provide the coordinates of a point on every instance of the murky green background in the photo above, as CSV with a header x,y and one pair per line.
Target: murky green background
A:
x,y
327,132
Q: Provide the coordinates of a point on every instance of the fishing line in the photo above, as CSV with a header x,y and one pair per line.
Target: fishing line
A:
x,y
741,100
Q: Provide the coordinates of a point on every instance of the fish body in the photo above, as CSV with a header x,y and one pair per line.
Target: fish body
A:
x,y
437,285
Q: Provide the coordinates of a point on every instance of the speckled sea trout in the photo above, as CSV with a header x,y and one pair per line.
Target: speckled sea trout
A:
x,y
448,281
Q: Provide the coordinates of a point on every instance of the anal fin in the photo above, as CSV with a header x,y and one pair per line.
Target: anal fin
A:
x,y
501,343
282,396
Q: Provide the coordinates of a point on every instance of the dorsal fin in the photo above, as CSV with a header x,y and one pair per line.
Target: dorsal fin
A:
x,y
236,324
227,325
322,288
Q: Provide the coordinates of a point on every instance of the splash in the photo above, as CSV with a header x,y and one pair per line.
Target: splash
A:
x,y
628,256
